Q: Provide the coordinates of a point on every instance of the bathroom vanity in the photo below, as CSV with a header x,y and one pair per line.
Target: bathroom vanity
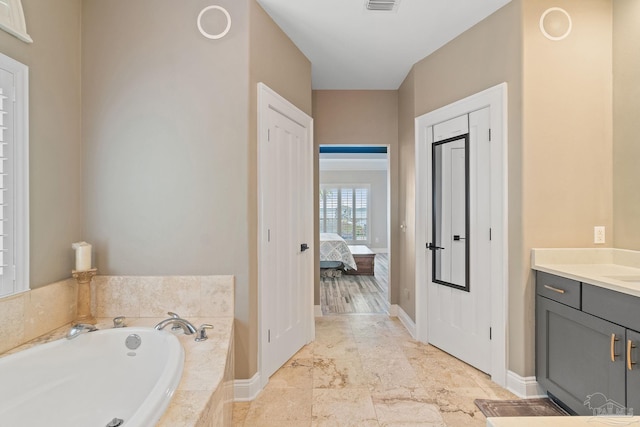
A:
x,y
587,328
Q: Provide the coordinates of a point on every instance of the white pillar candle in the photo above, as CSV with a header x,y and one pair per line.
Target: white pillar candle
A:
x,y
83,255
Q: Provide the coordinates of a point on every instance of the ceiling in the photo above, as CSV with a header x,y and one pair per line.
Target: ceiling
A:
x,y
352,48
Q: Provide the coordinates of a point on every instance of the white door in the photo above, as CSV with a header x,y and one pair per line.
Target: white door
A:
x,y
286,230
459,303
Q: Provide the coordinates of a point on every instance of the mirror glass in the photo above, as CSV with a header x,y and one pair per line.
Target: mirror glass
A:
x,y
450,248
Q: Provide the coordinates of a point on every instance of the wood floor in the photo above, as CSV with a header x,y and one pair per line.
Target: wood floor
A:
x,y
357,294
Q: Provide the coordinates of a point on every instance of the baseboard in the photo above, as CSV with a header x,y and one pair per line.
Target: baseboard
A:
x,y
525,387
393,310
406,321
380,250
246,390
317,311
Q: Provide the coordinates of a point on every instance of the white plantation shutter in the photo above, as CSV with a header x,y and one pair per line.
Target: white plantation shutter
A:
x,y
344,209
14,212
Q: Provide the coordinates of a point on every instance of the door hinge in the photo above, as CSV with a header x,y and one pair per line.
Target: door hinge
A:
x,y
489,333
489,234
268,335
268,134
269,235
489,134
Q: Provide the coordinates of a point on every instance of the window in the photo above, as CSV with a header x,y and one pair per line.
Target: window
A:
x,y
14,173
344,210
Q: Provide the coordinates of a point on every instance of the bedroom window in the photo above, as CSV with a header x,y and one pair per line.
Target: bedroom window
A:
x,y
344,210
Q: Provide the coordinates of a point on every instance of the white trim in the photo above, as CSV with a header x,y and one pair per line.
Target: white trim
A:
x,y
317,311
524,387
268,99
20,206
246,390
393,310
406,321
16,24
380,250
353,165
496,99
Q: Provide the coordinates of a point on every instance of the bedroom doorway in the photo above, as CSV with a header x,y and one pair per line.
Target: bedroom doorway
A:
x,y
354,217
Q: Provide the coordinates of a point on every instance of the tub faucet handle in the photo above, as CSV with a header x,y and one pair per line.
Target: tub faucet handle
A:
x,y
174,315
118,322
202,332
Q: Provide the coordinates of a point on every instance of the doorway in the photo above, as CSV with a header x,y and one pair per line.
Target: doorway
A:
x,y
466,311
354,229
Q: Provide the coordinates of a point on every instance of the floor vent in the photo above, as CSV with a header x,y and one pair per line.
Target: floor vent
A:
x,y
382,5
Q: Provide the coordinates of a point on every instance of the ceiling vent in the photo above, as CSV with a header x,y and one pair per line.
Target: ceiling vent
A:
x,y
382,5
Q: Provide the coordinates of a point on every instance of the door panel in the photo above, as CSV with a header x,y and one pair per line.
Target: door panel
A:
x,y
459,317
286,270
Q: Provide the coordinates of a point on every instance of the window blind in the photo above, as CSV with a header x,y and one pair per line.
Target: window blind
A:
x,y
344,210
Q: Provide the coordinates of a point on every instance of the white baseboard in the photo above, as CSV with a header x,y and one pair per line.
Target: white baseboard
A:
x,y
393,310
246,390
380,250
317,311
525,387
406,321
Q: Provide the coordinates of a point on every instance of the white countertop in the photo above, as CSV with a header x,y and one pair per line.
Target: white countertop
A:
x,y
562,421
615,269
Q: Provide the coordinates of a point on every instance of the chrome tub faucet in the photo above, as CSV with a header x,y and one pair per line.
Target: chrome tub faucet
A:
x,y
79,329
178,322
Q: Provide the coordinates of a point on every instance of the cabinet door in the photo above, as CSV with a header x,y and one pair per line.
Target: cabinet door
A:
x,y
632,350
577,355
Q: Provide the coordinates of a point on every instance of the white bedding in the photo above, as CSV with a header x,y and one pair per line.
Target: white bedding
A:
x,y
334,248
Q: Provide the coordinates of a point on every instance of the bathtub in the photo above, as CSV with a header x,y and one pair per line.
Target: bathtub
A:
x,y
91,379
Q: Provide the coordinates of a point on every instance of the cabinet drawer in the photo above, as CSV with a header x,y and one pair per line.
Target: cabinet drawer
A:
x,y
560,289
614,306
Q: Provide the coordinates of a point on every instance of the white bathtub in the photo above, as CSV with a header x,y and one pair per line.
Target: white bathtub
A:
x,y
91,379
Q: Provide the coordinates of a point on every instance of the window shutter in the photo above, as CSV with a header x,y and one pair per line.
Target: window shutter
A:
x,y
5,130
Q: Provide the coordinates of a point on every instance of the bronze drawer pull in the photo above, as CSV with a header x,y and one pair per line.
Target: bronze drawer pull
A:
x,y
613,347
551,288
630,363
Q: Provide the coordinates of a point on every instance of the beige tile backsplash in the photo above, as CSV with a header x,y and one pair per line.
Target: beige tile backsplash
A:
x,y
31,314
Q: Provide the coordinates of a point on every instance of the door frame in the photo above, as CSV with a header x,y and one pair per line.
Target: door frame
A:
x,y
495,98
268,99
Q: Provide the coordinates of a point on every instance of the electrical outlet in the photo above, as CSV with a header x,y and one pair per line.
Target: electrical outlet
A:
x,y
598,235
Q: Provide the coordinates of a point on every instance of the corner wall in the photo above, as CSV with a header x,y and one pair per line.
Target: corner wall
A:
x,y
486,55
275,61
360,117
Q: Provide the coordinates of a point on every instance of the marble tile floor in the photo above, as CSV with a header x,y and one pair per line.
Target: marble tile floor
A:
x,y
366,370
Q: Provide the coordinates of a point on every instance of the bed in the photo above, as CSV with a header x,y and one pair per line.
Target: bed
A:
x,y
335,253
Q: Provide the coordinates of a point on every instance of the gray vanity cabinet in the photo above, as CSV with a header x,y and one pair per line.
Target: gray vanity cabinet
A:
x,y
573,355
632,350
586,343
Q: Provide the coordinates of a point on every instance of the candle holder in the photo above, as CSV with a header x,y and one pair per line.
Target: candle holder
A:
x,y
83,314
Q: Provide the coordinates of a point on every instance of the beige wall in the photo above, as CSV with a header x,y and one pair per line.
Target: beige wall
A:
x,y
54,133
484,56
170,137
626,105
567,150
559,150
275,61
406,195
360,117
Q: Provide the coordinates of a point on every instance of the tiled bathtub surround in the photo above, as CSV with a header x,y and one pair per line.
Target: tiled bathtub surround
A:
x,y
205,393
31,314
153,296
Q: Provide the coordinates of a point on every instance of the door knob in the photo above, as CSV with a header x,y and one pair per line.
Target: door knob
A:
x,y
304,247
